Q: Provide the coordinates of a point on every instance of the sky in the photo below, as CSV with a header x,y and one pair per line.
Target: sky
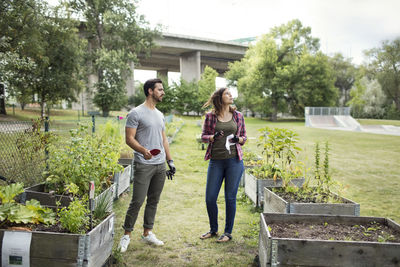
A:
x,y
345,26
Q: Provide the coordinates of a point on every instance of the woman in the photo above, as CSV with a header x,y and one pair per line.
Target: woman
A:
x,y
225,132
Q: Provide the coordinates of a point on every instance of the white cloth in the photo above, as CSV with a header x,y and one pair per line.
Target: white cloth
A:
x,y
228,144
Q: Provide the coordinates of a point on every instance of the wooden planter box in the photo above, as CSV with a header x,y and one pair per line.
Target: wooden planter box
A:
x,y
67,250
122,180
308,252
254,188
274,203
242,179
49,200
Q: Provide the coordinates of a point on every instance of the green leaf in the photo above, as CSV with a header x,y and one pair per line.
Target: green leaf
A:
x,y
7,193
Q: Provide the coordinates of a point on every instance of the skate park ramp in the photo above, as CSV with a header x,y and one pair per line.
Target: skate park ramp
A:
x,y
334,118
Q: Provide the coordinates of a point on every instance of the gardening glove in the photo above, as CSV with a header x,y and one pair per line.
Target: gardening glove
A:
x,y
218,134
171,166
235,139
170,174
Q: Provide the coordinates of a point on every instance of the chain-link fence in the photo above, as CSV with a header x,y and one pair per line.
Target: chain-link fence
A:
x,y
23,145
22,152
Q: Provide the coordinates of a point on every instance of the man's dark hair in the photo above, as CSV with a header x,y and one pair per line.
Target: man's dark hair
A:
x,y
150,84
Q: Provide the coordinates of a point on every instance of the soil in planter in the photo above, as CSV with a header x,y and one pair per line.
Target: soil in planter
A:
x,y
372,231
306,197
55,228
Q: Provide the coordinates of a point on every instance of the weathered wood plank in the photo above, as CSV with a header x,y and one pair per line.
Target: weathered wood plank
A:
x,y
122,181
337,253
250,187
274,203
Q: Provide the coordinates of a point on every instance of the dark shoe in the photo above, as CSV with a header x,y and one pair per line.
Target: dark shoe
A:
x,y
224,238
208,235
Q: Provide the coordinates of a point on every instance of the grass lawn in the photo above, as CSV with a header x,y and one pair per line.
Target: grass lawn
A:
x,y
366,164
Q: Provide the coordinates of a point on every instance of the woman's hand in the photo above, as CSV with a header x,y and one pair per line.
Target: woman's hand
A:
x,y
216,135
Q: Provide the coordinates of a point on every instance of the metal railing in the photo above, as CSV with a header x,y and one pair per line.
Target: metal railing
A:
x,y
327,111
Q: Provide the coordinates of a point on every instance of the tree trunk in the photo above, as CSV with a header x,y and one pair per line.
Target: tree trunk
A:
x,y
42,108
274,115
106,112
2,100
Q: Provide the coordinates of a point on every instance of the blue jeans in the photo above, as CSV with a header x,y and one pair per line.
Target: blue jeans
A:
x,y
231,170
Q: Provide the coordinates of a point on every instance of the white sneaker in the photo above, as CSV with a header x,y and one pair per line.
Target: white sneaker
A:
x,y
152,239
124,243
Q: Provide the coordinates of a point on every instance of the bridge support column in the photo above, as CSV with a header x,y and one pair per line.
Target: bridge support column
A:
x,y
130,81
190,66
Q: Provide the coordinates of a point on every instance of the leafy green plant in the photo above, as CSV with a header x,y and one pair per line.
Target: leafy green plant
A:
x,y
323,177
251,159
31,212
84,158
279,150
103,206
317,188
75,218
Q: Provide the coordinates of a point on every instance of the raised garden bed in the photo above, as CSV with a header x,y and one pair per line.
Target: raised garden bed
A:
x,y
274,203
39,193
254,188
326,247
67,250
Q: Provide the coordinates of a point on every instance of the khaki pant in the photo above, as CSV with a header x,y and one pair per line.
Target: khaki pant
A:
x,y
148,181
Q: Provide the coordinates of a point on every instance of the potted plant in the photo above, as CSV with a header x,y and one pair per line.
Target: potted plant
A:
x,y
316,199
47,238
328,240
279,164
82,158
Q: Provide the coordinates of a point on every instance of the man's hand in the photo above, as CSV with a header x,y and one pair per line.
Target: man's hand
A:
x,y
147,155
170,175
172,169
234,139
171,166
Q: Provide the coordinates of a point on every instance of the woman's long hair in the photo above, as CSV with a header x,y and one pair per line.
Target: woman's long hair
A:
x,y
216,101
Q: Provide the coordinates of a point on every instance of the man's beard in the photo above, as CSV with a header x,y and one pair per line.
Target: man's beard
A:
x,y
157,99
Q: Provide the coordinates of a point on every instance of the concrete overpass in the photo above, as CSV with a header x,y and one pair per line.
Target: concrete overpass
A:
x,y
189,55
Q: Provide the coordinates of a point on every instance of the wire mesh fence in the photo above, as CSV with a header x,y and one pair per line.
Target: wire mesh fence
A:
x,y
23,145
21,152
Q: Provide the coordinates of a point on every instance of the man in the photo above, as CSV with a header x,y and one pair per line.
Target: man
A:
x,y
145,134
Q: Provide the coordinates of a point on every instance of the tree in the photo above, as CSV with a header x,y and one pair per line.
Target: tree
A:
x,y
113,28
314,84
207,85
386,66
111,93
187,95
345,74
49,39
270,70
367,98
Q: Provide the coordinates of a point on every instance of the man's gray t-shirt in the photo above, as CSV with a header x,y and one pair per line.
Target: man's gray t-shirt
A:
x,y
149,124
